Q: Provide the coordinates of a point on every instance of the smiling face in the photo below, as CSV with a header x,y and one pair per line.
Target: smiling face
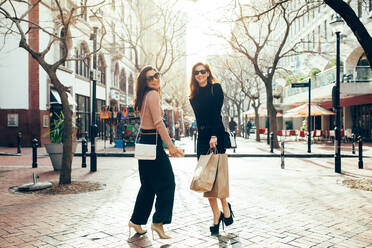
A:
x,y
201,75
153,79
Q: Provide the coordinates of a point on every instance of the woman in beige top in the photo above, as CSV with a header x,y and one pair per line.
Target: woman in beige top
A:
x,y
156,176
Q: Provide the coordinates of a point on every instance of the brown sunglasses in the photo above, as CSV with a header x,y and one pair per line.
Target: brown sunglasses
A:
x,y
155,76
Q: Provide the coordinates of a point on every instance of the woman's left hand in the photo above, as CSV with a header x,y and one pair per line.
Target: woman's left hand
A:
x,y
213,142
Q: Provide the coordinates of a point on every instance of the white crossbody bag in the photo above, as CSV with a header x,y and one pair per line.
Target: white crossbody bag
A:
x,y
145,151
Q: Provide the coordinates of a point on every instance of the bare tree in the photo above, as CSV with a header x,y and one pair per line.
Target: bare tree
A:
x,y
17,21
175,92
232,92
248,82
256,40
157,37
342,8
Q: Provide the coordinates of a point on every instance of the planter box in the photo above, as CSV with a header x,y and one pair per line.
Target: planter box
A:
x,y
55,153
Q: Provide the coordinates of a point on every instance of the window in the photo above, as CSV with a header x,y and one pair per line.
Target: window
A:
x,y
102,68
130,86
82,115
313,39
319,40
116,76
62,48
76,61
123,81
325,30
308,42
83,64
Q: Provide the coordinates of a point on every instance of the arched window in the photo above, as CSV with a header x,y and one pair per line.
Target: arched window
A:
x,y
84,64
102,68
62,48
130,85
116,76
76,61
123,81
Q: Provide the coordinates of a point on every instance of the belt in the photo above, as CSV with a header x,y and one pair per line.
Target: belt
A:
x,y
148,133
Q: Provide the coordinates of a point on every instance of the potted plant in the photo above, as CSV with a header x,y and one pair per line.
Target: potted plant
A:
x,y
55,148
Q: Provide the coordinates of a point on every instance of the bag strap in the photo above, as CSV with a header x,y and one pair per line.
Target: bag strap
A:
x,y
144,109
214,150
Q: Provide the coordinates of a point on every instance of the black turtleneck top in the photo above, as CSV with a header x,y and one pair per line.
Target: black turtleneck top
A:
x,y
207,107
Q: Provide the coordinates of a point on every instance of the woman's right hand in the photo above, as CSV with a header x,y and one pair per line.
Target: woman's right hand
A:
x,y
175,152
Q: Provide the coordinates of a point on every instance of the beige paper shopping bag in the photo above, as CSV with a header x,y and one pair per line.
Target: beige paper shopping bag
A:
x,y
220,187
205,173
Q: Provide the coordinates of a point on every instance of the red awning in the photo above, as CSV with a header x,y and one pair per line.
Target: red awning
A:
x,y
351,101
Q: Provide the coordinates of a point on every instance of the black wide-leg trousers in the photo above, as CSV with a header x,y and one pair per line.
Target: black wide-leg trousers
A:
x,y
157,179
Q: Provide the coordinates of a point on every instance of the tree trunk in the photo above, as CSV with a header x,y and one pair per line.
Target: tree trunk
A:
x,y
257,123
352,20
239,122
272,112
65,173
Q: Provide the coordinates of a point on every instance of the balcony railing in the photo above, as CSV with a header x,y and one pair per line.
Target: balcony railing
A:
x,y
361,74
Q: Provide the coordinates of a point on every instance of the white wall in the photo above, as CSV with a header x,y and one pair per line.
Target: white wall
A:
x,y
14,75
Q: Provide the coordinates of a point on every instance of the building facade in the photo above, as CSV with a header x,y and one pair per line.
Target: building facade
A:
x,y
28,101
314,33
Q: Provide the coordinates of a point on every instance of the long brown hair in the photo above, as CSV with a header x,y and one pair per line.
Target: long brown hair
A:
x,y
141,87
194,85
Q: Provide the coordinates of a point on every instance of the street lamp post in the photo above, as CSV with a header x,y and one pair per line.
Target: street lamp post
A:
x,y
93,129
337,25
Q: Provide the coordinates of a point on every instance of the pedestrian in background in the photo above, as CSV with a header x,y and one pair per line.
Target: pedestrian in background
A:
x,y
249,127
156,176
206,99
232,126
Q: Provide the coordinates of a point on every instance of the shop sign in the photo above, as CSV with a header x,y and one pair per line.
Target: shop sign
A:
x,y
12,120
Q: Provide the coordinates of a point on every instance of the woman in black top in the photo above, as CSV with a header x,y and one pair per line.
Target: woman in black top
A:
x,y
206,99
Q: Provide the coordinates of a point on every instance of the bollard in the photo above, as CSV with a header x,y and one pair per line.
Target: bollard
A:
x,y
360,162
282,154
123,138
271,142
110,134
84,149
353,144
19,136
34,153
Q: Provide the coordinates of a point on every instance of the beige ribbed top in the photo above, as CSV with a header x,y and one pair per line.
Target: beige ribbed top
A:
x,y
152,114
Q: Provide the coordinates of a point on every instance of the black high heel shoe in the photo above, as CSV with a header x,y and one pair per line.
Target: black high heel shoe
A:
x,y
230,220
215,229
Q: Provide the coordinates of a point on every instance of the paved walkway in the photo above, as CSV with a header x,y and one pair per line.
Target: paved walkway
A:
x,y
304,205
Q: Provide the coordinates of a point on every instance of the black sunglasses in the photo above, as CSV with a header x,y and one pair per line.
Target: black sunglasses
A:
x,y
201,71
155,76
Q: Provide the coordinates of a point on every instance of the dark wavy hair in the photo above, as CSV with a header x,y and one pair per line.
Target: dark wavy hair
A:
x,y
141,87
194,85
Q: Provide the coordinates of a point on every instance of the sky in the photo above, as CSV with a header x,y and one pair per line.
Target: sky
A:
x,y
203,20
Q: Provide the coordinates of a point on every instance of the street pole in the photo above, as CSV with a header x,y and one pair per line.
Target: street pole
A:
x,y
268,126
309,121
93,155
337,107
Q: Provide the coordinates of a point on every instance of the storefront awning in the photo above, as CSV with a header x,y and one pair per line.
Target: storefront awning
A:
x,y
56,99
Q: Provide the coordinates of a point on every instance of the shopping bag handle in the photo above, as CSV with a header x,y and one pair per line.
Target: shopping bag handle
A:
x,y
214,150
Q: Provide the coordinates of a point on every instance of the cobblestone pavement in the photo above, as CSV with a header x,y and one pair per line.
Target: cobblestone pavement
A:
x,y
304,205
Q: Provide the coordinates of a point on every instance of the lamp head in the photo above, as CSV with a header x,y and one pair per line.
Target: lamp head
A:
x,y
337,24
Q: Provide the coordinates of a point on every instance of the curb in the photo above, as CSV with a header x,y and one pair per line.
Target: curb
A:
x,y
131,155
